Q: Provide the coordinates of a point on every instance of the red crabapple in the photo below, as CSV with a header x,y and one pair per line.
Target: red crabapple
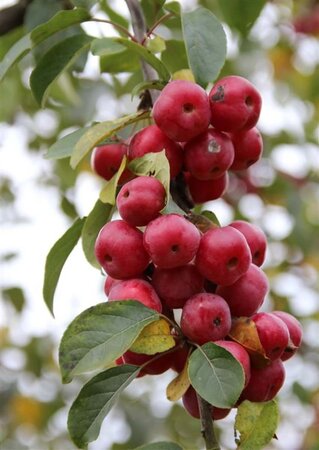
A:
x,y
209,155
205,317
239,353
246,295
235,104
182,110
248,146
120,251
156,367
106,160
141,200
152,140
255,238
203,191
264,382
136,289
273,334
109,283
171,241
175,286
223,255
180,357
190,403
295,333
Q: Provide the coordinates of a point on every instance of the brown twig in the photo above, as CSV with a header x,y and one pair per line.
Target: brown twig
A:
x,y
207,424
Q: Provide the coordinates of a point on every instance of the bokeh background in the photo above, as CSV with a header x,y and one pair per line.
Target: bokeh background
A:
x,y
39,199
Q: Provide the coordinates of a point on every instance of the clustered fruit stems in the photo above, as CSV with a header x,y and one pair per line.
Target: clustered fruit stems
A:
x,y
140,31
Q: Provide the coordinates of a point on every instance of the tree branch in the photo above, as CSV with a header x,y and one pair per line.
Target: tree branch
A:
x,y
207,424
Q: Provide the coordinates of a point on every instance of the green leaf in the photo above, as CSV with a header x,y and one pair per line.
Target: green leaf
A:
x,y
100,334
105,46
64,147
153,164
256,423
113,15
143,85
95,400
126,61
173,7
160,446
205,41
99,216
14,295
147,56
156,45
108,193
173,48
61,20
54,62
96,134
241,14
216,375
211,216
56,259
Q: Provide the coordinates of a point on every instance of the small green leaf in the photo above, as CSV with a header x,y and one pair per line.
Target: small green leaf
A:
x,y
98,217
96,134
64,147
152,84
173,48
54,62
16,52
241,14
153,164
100,334
14,295
108,193
95,400
156,45
147,56
56,259
160,446
211,216
105,46
205,42
256,423
216,375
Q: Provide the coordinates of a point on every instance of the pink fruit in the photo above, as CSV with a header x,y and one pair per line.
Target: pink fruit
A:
x,y
248,146
255,238
273,334
136,289
239,353
190,403
206,190
295,333
106,160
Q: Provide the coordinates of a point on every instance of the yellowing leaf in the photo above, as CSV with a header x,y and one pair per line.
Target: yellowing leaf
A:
x,y
154,338
183,74
178,386
108,193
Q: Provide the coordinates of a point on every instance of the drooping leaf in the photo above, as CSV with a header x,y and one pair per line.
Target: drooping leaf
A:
x,y
216,375
205,42
108,193
98,217
256,423
100,334
64,147
105,46
148,56
96,134
173,48
153,164
56,259
179,385
160,446
59,21
60,57
154,338
95,400
241,14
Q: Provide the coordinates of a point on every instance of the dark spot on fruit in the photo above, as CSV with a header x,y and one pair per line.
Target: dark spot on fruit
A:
x,y
217,321
108,258
174,248
126,194
232,263
188,107
213,146
219,95
249,101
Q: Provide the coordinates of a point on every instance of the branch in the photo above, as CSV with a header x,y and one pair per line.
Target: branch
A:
x,y
207,424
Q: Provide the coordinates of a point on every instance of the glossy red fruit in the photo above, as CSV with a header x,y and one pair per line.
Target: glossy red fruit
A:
x,y
209,155
179,358
264,383
205,317
223,255
248,146
175,286
171,241
295,333
153,140
247,294
240,354
273,334
158,366
190,403
141,200
136,289
182,110
256,239
109,282
235,104
106,160
206,190
120,251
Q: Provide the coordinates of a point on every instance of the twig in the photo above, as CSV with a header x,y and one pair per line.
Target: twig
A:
x,y
207,424
155,25
117,26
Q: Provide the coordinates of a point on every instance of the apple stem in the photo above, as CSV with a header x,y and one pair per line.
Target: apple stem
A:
x,y
140,31
207,425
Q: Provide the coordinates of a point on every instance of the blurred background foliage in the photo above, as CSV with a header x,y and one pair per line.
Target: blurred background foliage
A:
x,y
272,43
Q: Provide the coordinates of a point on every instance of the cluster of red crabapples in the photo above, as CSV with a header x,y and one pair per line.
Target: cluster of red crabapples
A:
x,y
168,263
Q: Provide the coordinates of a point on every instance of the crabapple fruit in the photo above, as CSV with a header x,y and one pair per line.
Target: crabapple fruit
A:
x,y
248,147
255,238
190,403
182,110
120,251
106,160
239,353
136,289
203,191
295,333
273,334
